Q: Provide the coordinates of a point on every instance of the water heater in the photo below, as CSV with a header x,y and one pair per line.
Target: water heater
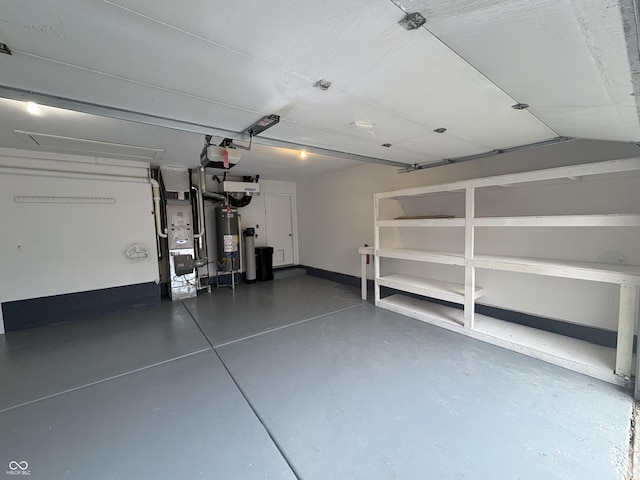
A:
x,y
227,234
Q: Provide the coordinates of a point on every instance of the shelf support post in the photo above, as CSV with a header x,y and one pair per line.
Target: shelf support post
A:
x,y
363,276
626,322
376,246
469,269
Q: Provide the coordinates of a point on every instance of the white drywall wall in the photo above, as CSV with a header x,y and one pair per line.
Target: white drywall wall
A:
x,y
336,216
56,248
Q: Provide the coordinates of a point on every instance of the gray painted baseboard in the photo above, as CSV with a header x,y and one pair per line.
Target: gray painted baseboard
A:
x,y
599,336
36,312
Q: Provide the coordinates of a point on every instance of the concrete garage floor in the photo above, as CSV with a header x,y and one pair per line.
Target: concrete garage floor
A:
x,y
305,380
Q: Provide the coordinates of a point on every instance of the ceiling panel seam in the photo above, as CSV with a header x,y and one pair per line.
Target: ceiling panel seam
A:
x,y
449,134
471,65
14,93
216,102
208,100
270,65
137,82
301,76
206,40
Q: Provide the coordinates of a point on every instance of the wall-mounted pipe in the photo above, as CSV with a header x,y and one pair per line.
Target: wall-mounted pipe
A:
x,y
200,209
215,196
205,193
156,207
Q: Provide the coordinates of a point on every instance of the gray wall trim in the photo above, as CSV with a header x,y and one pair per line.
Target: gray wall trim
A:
x,y
36,312
599,336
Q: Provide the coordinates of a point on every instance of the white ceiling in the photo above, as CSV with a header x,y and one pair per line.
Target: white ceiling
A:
x,y
226,64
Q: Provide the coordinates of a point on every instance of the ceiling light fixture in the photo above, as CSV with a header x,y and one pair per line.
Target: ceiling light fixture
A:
x,y
520,106
440,130
412,21
322,84
4,48
303,154
33,108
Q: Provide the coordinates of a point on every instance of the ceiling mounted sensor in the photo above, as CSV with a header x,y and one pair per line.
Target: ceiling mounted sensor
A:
x,y
440,130
4,48
520,106
322,84
412,21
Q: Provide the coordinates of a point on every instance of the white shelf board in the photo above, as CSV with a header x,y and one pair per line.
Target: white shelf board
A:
x,y
597,272
613,220
422,222
447,258
596,168
451,292
587,358
578,355
445,317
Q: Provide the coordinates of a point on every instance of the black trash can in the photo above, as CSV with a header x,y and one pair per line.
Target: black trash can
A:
x,y
264,263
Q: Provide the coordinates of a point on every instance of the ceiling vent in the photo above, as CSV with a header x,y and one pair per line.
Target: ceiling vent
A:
x,y
80,146
412,21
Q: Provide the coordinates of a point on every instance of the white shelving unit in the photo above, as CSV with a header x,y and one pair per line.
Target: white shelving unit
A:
x,y
612,365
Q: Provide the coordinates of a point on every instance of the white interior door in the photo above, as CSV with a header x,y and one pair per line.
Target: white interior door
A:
x,y
279,220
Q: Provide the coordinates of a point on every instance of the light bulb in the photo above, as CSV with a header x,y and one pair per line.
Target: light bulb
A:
x,y
33,108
